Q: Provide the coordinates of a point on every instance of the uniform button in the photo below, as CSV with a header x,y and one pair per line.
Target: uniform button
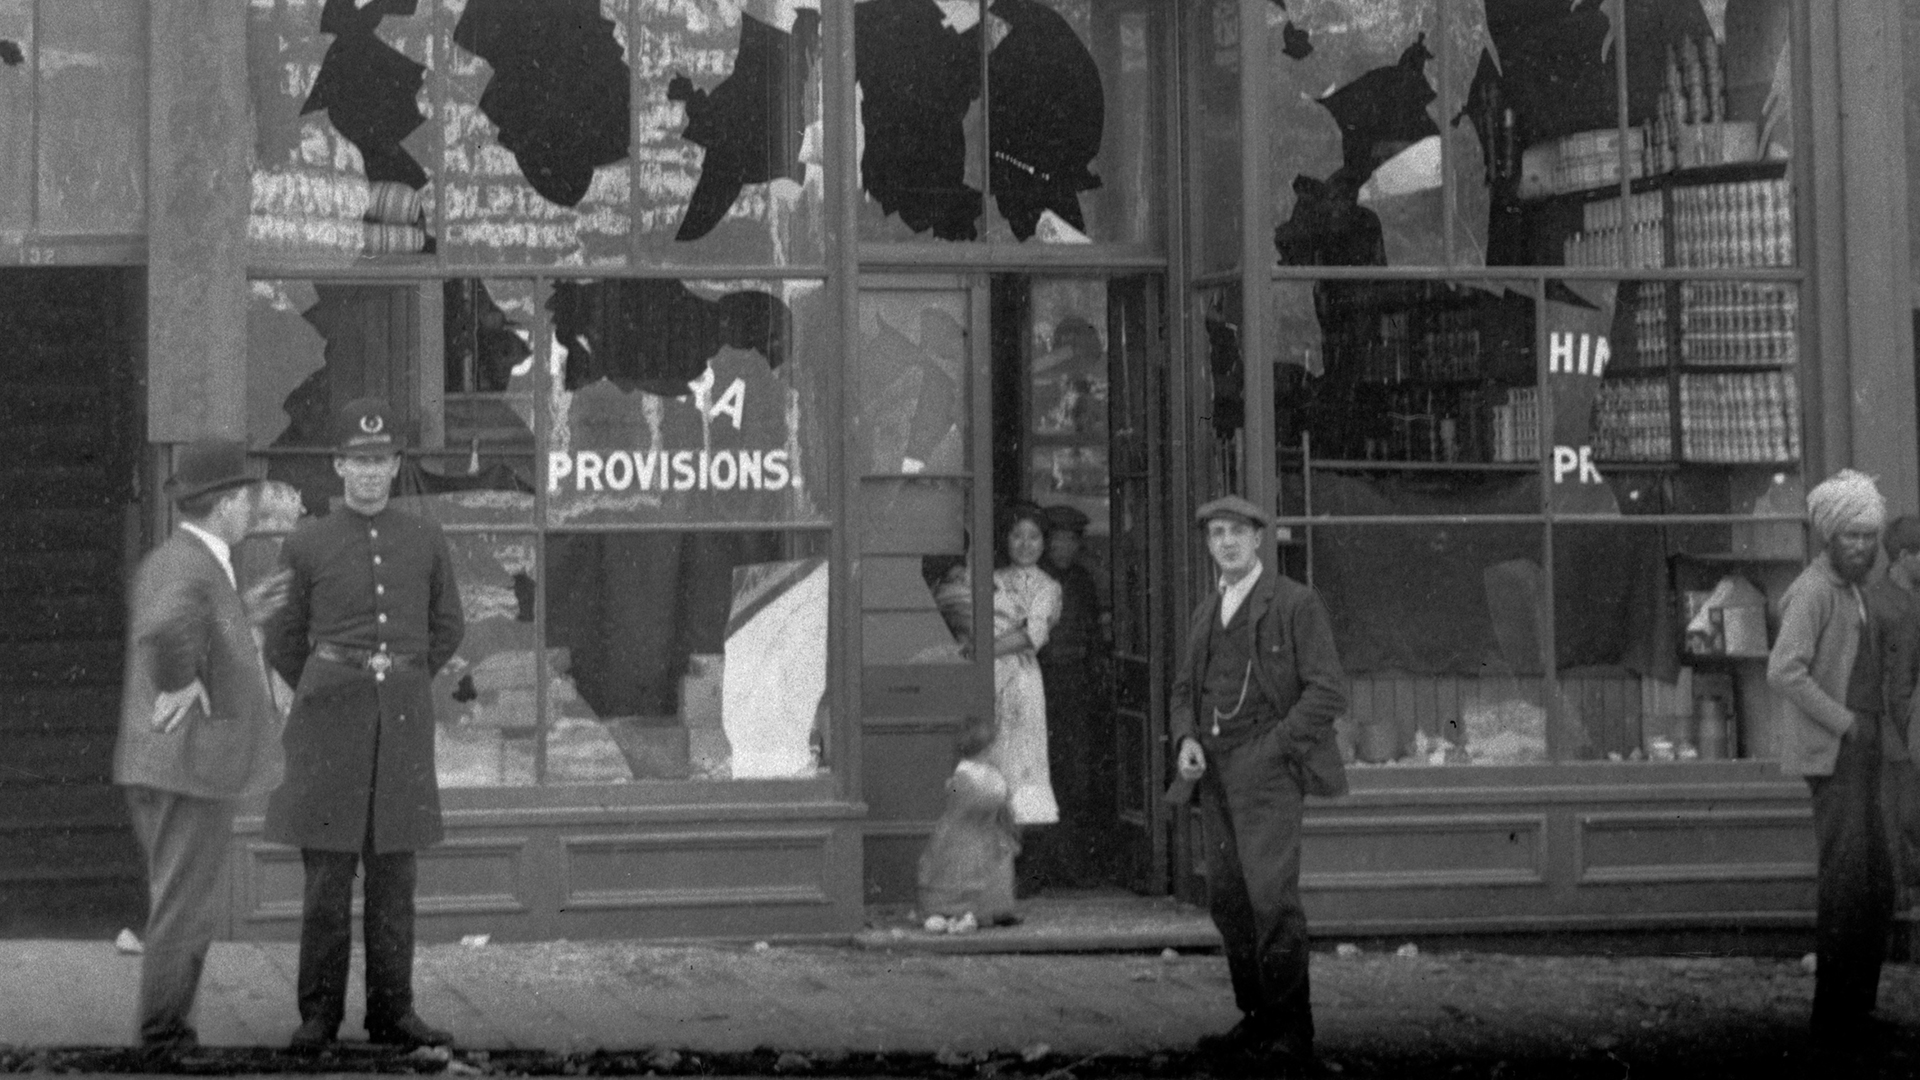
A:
x,y
374,533
382,616
379,676
379,590
376,560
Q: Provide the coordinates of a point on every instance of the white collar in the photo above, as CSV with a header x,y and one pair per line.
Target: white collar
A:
x,y
1232,595
221,549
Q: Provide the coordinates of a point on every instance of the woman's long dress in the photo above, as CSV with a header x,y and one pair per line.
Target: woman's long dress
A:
x,y
1023,596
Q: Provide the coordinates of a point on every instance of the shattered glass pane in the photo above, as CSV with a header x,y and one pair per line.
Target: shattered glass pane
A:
x,y
686,402
313,346
343,148
1213,124
1069,117
484,699
1357,150
730,146
537,131
911,439
686,655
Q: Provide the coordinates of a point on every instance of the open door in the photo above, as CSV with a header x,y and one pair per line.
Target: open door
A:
x,y
925,567
1145,624
1080,429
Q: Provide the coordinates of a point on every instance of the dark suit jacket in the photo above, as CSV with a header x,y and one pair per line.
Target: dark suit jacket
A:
x,y
1299,673
185,622
1896,630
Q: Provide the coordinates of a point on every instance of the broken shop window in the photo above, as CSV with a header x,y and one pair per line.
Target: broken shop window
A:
x,y
917,63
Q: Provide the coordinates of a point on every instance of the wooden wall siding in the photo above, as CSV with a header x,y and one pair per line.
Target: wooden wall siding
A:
x,y
92,144
198,183
1602,845
73,121
909,761
17,159
540,875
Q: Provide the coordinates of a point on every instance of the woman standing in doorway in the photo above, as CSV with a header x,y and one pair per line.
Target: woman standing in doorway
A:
x,y
1026,604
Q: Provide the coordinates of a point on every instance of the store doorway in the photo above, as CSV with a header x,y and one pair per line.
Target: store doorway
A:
x,y
1079,426
70,339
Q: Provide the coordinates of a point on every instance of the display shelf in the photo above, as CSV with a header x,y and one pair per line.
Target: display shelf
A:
x,y
1732,172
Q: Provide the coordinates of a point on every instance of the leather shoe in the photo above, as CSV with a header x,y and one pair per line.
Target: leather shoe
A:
x,y
314,1034
182,1041
1245,1036
409,1031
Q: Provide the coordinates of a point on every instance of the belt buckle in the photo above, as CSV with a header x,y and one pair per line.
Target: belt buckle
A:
x,y
380,663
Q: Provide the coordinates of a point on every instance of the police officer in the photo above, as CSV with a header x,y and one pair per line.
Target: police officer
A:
x,y
1251,713
372,613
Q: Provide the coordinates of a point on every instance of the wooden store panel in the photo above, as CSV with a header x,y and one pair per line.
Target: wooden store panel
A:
x,y
1490,849
601,872
908,762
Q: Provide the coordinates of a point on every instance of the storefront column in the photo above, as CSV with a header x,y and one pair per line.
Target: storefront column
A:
x,y
1256,265
198,136
1878,343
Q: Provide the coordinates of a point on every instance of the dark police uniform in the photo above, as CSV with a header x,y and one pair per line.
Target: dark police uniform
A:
x,y
373,612
1266,688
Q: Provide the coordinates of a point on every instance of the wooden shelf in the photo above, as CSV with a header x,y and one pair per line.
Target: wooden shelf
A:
x,y
1732,172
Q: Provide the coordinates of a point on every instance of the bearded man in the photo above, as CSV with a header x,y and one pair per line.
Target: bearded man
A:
x,y
1827,665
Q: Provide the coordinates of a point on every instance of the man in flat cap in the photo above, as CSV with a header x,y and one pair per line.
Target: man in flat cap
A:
x,y
1252,713
372,613
1826,663
198,725
1079,722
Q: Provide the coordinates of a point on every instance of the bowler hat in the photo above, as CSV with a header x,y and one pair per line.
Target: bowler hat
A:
x,y
206,466
366,428
1232,506
1063,517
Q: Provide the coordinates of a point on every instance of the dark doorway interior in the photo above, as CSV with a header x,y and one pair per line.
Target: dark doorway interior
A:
x,y
1071,421
70,444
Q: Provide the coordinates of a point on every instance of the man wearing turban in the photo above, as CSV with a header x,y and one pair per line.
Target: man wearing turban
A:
x,y
1827,665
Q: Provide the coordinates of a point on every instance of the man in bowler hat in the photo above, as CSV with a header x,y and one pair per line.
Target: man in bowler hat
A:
x,y
372,613
1252,712
198,724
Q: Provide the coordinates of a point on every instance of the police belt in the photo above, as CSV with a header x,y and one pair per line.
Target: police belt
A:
x,y
378,661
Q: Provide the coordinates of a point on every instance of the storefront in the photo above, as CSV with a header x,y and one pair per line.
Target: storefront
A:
x,y
726,327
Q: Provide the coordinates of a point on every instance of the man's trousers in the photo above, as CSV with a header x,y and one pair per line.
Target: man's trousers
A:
x,y
185,840
1251,804
1854,905
326,934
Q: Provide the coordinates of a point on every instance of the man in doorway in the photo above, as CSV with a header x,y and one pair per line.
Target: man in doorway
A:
x,y
1252,713
373,612
198,724
1079,723
1827,665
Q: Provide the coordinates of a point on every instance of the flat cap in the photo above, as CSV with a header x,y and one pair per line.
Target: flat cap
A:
x,y
1063,516
1232,506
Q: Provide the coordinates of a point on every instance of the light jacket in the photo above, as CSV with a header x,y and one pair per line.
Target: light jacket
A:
x,y
186,621
1812,659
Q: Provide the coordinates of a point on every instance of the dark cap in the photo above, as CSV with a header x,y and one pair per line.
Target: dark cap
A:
x,y
207,466
1902,535
366,428
1067,518
1232,506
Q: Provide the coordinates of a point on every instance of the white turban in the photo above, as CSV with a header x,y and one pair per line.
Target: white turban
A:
x,y
1847,498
